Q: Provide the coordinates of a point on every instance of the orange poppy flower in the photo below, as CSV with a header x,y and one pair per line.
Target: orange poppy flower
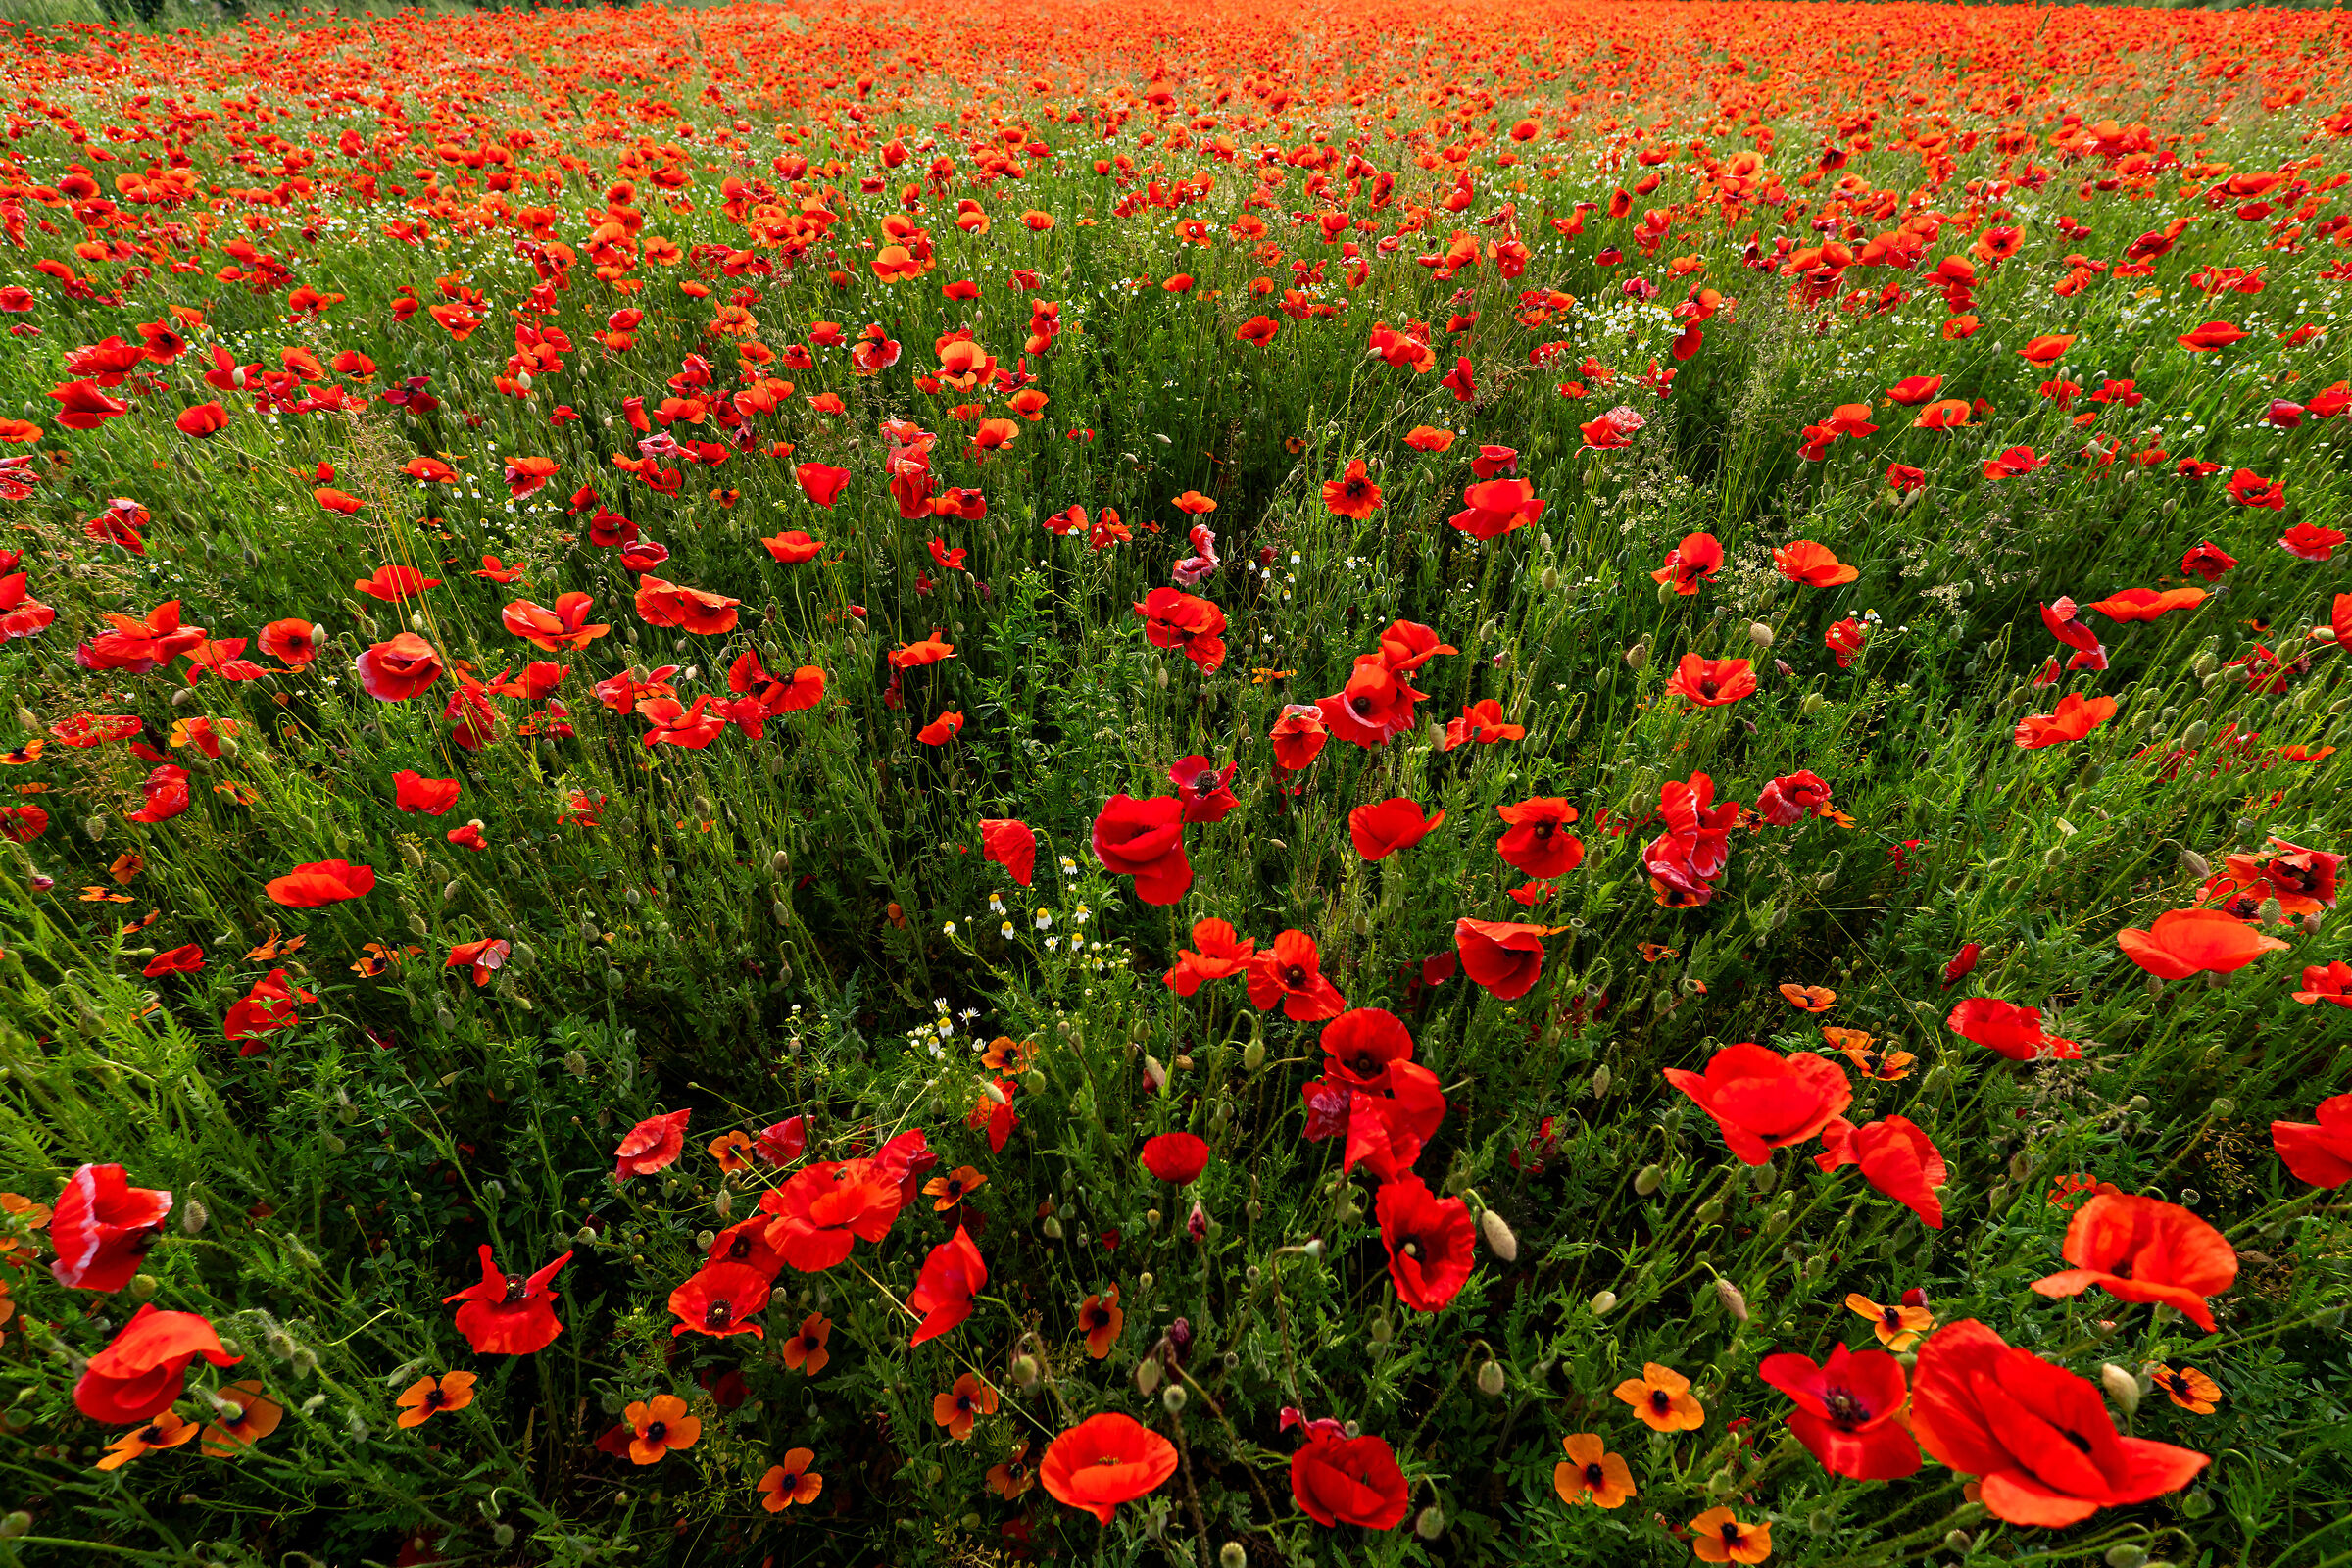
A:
x,y
1717,1536
2188,1387
658,1426
728,1149
1897,1327
958,1408
163,1430
1809,999
1592,1473
1887,1066
257,1417
789,1482
1013,1476
1007,1055
428,1398
804,1353
1661,1397
1814,564
946,1192
1101,1320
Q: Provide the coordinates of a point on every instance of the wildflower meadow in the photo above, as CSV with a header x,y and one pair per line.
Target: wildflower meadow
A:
x,y
1189,784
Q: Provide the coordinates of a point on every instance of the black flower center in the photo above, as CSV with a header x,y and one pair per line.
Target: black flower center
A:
x,y
717,1315
1595,1475
516,1286
1847,1412
657,1432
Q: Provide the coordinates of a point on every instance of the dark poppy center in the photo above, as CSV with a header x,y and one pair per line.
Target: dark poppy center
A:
x,y
1366,1064
1543,830
516,1286
1709,688
1595,1475
1660,1400
435,1399
656,1433
740,1248
717,1315
1845,1411
1730,1532
1293,974
1361,705
2122,1270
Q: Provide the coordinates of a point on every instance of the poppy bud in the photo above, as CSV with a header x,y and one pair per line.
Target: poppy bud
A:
x,y
95,828
1761,634
192,1217
1600,1080
143,1286
2196,1506
1379,1331
2120,1386
1147,1376
1958,1541
1491,1379
2224,1107
1430,1523
1034,1080
1052,1228
1499,1240
1733,1300
1811,705
1174,1399
575,1063
1711,1211
2195,864
1152,1217
1648,1180
1254,1055
1604,1303
15,1523
2268,912
1637,655
2125,1555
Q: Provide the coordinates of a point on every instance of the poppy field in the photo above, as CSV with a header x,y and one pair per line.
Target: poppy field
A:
x,y
1196,784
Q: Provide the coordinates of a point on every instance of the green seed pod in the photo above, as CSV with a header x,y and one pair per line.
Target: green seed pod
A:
x,y
1430,1523
1232,1555
1648,1180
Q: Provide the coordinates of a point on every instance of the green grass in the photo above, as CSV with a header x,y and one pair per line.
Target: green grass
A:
x,y
805,927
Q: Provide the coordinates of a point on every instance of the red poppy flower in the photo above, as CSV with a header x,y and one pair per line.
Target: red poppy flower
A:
x,y
1690,563
693,609
1848,1411
1352,494
826,1208
165,789
940,730
1290,971
2311,541
1011,845
1177,1159
653,1144
2009,1029
2142,1249
394,584
2075,718
2146,603
102,1226
943,1293
1173,618
396,670
1145,839
1793,798
265,1009
1504,957
1764,1101
82,406
719,1300
1913,390
293,642
321,882
562,629
145,1366
485,958
793,547
1223,954
1896,1158
2212,335
1537,841
2318,1151
1349,1481
2038,1437
1429,1242
184,959
1815,566
2181,942
509,1314
1206,789
1711,682
1104,1461
1380,830
1497,506
1299,735
2207,561
820,483
414,791
2013,463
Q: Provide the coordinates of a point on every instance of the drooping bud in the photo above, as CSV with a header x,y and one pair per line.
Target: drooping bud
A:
x,y
1648,1180
1732,1301
1430,1523
2120,1386
1491,1379
1499,1240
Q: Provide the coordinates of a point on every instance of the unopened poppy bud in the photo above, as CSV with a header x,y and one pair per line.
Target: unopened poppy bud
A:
x,y
2195,864
575,1063
192,1217
1154,1074
1761,634
1711,1211
1637,655
1152,1217
724,1204
94,828
1232,1555
2269,911
143,1286
1254,1055
1034,1080
1174,1399
1053,1227
2120,1386
14,1523
1811,705
1648,1180
2125,1555
1147,1376
1551,579
1380,1330
2196,1506
1958,1541
1722,1482
1732,1301
1430,1523
1819,1522
1604,1303
1499,1240
1024,1371
1491,1379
